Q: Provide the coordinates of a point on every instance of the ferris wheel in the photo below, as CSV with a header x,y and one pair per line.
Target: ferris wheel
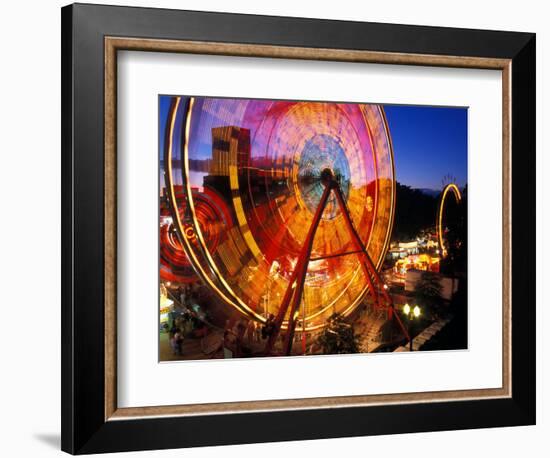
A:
x,y
304,195
449,189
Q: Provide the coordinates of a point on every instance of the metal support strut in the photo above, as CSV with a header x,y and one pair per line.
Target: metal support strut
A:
x,y
293,295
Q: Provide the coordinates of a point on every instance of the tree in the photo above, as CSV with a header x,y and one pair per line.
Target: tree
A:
x,y
415,211
338,337
428,292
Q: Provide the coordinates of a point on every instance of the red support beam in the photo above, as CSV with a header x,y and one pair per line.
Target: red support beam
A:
x,y
297,279
368,267
368,262
294,291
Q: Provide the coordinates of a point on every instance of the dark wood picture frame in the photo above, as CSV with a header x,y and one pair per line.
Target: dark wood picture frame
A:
x,y
91,37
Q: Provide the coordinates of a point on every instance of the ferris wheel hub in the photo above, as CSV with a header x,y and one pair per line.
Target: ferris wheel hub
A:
x,y
327,176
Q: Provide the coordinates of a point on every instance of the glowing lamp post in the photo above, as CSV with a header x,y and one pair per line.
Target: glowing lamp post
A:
x,y
411,313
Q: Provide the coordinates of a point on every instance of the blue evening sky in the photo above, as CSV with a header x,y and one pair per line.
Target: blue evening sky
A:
x,y
428,142
164,107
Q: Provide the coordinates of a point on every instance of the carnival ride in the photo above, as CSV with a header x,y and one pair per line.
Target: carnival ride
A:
x,y
300,199
174,262
455,191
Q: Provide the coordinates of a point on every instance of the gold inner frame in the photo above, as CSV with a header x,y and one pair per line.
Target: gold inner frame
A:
x,y
114,44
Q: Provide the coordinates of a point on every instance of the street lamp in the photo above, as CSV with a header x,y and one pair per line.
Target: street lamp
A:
x,y
411,314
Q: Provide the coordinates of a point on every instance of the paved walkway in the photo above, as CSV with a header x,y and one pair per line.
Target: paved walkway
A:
x,y
425,335
192,348
367,327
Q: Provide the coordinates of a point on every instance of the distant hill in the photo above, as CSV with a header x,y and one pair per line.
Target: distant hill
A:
x,y
429,192
415,210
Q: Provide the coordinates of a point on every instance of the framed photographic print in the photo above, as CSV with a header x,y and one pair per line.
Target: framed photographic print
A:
x,y
284,228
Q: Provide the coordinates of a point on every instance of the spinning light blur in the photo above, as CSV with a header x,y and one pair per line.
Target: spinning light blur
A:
x,y
262,160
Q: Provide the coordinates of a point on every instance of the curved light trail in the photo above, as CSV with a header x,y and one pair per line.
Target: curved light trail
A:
x,y
453,188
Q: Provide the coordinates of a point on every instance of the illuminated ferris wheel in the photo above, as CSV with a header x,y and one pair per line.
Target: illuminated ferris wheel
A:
x,y
301,203
449,189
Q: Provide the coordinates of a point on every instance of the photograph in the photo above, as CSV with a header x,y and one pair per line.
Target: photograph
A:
x,y
301,228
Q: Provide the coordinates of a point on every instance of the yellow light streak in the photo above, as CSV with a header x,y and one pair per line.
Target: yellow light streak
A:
x,y
458,196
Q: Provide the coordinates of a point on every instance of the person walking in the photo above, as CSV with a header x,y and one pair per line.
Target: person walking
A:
x,y
173,329
177,341
250,332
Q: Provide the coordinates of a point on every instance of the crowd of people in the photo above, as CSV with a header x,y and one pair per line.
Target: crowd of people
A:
x,y
187,319
185,325
239,337
243,337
